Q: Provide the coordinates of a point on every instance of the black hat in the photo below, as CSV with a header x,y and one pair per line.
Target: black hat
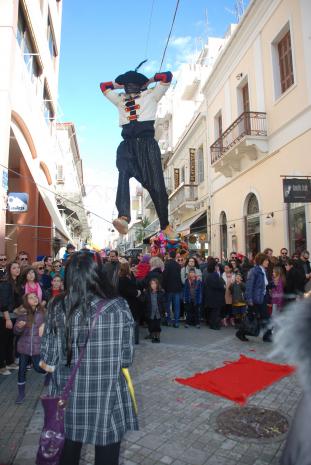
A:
x,y
132,77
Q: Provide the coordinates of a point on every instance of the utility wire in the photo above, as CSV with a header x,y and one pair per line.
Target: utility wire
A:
x,y
107,221
149,29
169,36
77,204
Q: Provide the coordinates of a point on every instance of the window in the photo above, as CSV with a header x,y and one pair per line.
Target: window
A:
x,y
26,45
200,165
48,111
218,127
182,174
282,61
285,62
51,38
223,236
252,226
297,228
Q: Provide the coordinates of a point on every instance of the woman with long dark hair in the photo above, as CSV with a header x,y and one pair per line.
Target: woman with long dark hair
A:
x,y
100,409
10,299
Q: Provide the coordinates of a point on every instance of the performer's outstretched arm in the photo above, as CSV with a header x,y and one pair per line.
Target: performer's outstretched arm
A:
x,y
165,80
109,85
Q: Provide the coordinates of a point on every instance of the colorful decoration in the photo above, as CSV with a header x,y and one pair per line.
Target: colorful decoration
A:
x,y
160,244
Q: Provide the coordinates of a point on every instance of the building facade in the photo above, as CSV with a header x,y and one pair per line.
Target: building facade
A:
x,y
259,127
30,43
248,130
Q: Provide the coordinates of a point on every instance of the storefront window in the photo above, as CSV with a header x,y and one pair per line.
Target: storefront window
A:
x,y
252,227
297,228
223,236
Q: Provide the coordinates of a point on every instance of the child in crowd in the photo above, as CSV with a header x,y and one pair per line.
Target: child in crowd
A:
x,y
57,287
29,326
229,277
57,268
237,290
155,305
277,291
30,282
192,297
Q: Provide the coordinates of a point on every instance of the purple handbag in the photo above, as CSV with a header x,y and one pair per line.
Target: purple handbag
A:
x,y
52,437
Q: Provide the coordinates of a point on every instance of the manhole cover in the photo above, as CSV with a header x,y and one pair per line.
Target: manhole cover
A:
x,y
251,422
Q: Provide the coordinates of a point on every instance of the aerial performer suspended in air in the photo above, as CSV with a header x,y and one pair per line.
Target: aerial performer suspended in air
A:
x,y
138,155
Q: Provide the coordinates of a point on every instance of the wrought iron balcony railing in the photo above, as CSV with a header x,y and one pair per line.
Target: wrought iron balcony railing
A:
x,y
249,123
183,194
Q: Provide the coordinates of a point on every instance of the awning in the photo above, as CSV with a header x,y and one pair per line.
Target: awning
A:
x,y
184,227
199,225
47,196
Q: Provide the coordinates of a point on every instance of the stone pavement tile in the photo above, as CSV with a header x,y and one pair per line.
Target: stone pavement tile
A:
x,y
152,441
195,456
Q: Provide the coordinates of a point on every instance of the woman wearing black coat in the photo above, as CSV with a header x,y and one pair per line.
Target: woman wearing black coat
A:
x,y
214,294
10,299
129,291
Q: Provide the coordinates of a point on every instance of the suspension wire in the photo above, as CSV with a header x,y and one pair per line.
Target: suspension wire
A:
x,y
169,36
149,29
77,204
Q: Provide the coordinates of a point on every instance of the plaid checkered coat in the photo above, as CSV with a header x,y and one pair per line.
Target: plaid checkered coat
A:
x,y
100,408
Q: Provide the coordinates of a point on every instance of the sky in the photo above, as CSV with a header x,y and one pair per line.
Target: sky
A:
x,y
102,39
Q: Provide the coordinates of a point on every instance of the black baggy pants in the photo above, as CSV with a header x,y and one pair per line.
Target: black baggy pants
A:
x,y
104,455
140,158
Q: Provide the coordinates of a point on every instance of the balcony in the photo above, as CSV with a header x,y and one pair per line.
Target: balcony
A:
x,y
183,197
247,136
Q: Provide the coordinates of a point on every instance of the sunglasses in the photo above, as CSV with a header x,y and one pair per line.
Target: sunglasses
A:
x,y
284,253
57,266
24,259
40,268
3,259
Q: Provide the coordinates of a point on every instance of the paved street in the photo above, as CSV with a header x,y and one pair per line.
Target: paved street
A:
x,y
176,422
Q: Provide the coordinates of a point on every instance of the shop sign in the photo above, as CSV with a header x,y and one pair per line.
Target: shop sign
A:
x,y
18,202
296,190
176,178
192,164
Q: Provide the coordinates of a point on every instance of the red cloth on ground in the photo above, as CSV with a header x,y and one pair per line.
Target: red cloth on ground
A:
x,y
142,270
239,379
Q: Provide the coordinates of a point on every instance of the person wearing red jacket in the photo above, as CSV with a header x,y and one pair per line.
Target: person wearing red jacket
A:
x,y
139,155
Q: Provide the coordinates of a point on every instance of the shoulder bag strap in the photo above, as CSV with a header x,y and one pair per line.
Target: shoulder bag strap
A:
x,y
69,384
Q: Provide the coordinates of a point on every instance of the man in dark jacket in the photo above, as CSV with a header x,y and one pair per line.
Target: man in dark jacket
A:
x,y
214,294
295,281
172,285
111,268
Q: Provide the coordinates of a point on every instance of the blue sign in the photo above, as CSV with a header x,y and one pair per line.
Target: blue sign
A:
x,y
5,179
18,202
